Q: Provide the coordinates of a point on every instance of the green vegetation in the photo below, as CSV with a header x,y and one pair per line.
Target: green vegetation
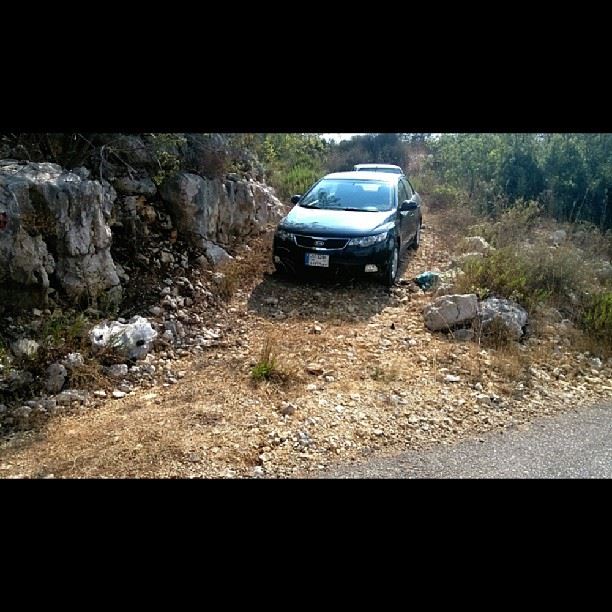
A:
x,y
266,368
528,276
570,175
597,318
63,329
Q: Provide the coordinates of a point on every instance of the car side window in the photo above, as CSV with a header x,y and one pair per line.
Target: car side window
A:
x,y
408,187
402,194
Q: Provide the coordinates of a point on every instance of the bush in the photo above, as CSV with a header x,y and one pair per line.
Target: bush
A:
x,y
266,367
597,316
529,277
443,197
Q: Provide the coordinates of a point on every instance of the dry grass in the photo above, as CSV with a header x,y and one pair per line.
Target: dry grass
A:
x,y
89,375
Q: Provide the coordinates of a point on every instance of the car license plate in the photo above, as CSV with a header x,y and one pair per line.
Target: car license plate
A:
x,y
315,259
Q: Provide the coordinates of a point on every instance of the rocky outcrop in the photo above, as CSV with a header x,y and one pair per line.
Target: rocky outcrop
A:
x,y
216,210
55,229
509,313
450,310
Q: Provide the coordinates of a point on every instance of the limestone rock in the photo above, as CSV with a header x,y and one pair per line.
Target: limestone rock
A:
x,y
131,340
450,310
510,313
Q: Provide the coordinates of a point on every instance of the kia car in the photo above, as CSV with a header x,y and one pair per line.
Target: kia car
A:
x,y
350,223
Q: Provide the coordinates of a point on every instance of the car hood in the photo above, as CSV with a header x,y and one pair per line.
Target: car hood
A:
x,y
322,222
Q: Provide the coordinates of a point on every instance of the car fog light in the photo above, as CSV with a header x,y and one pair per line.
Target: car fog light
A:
x,y
371,268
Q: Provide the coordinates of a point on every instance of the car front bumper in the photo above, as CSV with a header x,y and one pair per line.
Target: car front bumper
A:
x,y
351,260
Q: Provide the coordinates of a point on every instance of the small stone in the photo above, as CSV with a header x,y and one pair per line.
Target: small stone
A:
x,y
73,360
329,379
596,363
25,348
156,311
36,312
166,257
271,301
56,376
450,378
463,335
311,387
288,408
315,369
118,370
316,329
100,393
118,394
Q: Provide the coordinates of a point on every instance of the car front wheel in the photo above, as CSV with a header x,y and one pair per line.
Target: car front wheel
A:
x,y
392,267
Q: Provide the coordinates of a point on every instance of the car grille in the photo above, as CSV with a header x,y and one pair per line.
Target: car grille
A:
x,y
321,243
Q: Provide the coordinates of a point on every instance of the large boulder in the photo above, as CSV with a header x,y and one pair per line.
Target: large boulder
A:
x,y
449,311
54,228
509,313
217,210
132,340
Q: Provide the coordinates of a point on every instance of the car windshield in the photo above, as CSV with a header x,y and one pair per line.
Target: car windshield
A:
x,y
343,194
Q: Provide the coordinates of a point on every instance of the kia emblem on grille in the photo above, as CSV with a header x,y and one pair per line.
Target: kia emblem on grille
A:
x,y
319,243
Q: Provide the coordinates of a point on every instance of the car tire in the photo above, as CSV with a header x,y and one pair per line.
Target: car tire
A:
x,y
390,274
416,242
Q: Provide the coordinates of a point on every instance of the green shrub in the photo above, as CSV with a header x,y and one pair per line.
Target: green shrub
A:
x,y
266,367
529,277
597,317
443,197
63,329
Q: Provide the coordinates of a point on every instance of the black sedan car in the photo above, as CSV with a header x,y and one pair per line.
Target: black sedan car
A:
x,y
352,222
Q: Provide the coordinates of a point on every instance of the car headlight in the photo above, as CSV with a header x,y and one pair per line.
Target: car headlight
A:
x,y
367,241
281,234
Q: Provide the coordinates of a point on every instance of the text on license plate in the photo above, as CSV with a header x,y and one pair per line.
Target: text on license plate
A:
x,y
315,259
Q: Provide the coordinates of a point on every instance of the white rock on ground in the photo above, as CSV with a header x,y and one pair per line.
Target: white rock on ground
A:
x,y
131,340
24,347
450,310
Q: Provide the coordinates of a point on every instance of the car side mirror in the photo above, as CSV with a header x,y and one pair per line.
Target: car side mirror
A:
x,y
408,205
295,199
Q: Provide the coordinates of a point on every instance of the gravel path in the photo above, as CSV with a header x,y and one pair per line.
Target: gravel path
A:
x,y
570,445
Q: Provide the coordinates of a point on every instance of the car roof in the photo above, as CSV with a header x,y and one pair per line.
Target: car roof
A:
x,y
377,166
362,175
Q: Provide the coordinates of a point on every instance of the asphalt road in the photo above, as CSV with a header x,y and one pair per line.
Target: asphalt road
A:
x,y
576,444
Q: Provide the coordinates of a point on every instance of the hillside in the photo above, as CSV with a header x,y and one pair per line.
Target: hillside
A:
x,y
226,369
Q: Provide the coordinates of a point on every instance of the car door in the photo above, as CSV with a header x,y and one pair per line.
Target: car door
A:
x,y
407,222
